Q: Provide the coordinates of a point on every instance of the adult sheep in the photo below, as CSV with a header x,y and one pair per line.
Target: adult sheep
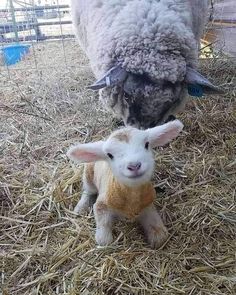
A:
x,y
144,53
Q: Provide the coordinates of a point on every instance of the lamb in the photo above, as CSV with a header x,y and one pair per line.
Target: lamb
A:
x,y
119,170
144,54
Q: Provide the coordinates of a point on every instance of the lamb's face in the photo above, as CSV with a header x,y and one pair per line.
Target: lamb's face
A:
x,y
128,151
130,156
148,105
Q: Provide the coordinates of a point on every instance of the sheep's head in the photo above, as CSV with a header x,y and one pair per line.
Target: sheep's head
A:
x,y
143,103
128,151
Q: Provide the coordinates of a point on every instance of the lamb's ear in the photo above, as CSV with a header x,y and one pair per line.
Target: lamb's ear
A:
x,y
112,77
198,84
161,135
87,152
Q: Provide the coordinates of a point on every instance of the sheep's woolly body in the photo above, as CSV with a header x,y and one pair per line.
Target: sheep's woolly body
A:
x,y
140,34
151,37
124,200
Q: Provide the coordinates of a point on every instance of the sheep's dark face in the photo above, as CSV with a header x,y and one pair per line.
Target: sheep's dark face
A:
x,y
148,105
152,105
144,103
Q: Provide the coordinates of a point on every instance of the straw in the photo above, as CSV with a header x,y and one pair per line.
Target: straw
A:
x,y
46,249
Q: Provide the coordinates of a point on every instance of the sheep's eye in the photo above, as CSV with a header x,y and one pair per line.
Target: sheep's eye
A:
x,y
110,156
127,96
147,145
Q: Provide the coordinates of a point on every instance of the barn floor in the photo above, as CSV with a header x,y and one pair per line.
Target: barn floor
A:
x,y
45,249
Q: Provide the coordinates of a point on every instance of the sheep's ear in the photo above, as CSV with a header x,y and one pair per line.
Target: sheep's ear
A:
x,y
88,152
161,135
198,84
112,77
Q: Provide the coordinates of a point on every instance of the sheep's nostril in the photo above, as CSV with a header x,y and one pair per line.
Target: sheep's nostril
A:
x,y
138,165
134,166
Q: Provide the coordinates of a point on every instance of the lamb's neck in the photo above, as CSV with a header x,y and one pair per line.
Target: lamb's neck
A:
x,y
129,201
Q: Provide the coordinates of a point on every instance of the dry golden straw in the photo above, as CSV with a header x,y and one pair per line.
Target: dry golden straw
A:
x,y
45,249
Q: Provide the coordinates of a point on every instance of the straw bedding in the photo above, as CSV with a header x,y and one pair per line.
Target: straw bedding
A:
x,y
45,249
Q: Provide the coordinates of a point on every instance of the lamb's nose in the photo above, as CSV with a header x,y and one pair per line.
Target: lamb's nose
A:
x,y
134,166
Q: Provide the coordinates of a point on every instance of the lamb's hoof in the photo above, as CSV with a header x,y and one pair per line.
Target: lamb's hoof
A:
x,y
157,236
81,209
103,237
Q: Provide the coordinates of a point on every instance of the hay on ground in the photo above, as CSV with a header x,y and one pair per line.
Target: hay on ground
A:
x,y
45,249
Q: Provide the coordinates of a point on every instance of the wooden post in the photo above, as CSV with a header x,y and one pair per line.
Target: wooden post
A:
x,y
14,20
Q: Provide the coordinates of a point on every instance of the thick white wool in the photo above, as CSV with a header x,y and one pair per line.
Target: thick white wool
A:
x,y
139,34
156,38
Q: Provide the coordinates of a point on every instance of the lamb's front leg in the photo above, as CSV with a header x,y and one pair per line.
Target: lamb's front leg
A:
x,y
89,191
82,206
104,220
153,226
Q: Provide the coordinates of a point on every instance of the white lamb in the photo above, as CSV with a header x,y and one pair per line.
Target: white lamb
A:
x,y
118,171
146,53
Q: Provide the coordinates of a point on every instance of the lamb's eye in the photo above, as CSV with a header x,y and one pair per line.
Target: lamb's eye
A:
x,y
147,145
110,156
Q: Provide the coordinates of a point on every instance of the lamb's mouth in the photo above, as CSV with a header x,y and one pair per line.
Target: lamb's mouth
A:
x,y
136,176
